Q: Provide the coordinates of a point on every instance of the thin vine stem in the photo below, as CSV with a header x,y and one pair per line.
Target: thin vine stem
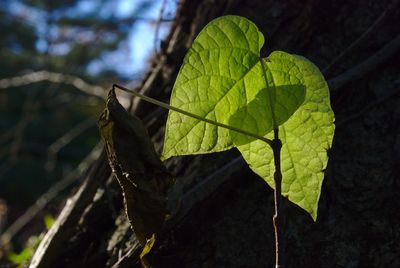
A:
x,y
169,107
276,148
275,144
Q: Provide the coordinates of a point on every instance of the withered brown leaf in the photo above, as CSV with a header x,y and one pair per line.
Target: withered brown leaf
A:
x,y
141,174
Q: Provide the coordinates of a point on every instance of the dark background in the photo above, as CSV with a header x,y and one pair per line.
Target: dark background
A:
x,y
356,45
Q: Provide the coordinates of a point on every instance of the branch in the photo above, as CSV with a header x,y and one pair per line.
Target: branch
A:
x,y
205,188
53,243
158,23
65,139
17,134
40,203
367,108
384,54
40,76
360,40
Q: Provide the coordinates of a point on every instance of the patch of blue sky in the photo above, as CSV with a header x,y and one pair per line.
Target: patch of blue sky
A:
x,y
131,60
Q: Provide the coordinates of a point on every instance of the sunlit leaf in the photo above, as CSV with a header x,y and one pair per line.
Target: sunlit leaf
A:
x,y
224,79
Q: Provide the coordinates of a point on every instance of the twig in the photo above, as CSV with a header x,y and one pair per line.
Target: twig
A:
x,y
66,139
205,188
39,76
158,23
276,148
64,227
27,108
40,203
384,54
169,107
360,40
18,134
367,108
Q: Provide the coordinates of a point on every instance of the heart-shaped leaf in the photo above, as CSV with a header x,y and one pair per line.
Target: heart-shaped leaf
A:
x,y
223,79
221,75
306,136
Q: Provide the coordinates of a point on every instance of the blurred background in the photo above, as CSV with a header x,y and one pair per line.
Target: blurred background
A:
x,y
47,128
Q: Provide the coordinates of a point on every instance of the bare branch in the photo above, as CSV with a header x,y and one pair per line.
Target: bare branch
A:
x,y
66,139
40,203
360,40
370,64
158,23
368,107
17,134
39,76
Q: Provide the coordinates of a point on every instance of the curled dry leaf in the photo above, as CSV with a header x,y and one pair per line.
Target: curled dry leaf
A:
x,y
142,176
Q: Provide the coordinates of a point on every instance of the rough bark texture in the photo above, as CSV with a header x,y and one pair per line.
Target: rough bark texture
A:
x,y
225,212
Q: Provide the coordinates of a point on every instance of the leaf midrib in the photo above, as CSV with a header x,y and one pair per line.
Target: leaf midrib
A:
x,y
216,103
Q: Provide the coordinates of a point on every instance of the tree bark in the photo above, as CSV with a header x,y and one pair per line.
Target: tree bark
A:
x,y
223,212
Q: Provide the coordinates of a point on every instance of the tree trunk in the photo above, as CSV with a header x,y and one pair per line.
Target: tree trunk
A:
x,y
224,210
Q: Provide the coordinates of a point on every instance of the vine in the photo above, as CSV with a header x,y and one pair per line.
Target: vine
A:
x,y
275,110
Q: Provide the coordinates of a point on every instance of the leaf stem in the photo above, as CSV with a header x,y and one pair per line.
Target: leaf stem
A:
x,y
276,147
275,144
169,107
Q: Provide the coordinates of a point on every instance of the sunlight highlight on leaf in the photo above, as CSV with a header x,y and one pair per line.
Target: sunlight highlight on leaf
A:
x,y
223,79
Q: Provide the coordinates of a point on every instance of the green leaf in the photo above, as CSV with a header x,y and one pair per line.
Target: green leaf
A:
x,y
222,79
48,220
21,257
306,136
280,97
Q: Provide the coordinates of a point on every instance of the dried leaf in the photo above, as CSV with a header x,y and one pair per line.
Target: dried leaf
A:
x,y
140,173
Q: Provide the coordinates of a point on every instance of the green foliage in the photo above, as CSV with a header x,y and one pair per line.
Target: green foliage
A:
x,y
306,136
34,116
224,79
21,257
51,36
27,252
48,220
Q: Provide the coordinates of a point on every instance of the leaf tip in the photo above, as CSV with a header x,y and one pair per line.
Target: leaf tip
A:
x,y
164,156
314,215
